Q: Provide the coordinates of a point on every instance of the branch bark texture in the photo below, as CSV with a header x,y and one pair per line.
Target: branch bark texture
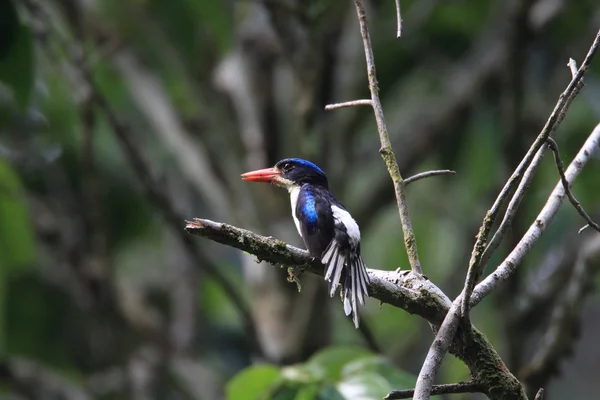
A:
x,y
403,289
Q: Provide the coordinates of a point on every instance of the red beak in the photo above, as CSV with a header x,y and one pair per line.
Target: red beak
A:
x,y
261,175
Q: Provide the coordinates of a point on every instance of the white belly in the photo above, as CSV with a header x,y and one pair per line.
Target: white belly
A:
x,y
294,192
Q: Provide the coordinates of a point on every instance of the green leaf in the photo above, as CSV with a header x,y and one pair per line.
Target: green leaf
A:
x,y
396,378
367,386
17,63
253,383
329,362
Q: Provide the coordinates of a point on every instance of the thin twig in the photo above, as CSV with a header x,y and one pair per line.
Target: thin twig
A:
x,y
353,103
387,153
561,172
535,231
452,388
539,395
427,174
572,64
399,20
512,208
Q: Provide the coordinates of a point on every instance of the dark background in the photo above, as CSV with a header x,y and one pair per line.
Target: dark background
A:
x,y
122,118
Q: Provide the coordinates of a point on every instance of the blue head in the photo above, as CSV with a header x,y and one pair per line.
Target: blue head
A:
x,y
290,172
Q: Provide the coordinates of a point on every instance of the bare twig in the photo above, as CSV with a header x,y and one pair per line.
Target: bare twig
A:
x,y
427,174
353,103
452,388
539,395
561,172
399,20
572,64
512,208
386,147
543,219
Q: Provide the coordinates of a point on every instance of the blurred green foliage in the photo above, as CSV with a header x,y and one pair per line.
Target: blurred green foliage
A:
x,y
333,373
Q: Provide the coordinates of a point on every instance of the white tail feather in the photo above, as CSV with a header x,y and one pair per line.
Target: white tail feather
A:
x,y
356,279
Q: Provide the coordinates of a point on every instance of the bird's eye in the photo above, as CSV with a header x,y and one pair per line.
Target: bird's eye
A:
x,y
287,167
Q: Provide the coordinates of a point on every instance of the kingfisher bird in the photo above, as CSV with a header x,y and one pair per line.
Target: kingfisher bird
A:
x,y
328,230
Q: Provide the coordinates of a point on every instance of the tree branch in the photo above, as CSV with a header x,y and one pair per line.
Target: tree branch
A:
x,y
452,388
353,103
428,174
404,289
544,218
554,120
465,300
387,153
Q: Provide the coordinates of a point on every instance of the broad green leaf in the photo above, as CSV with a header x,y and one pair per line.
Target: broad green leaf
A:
x,y
367,386
330,361
253,383
16,62
397,378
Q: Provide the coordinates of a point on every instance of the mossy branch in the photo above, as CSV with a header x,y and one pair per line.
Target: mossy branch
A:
x,y
403,289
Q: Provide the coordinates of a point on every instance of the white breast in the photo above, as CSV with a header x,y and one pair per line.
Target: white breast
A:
x,y
294,192
342,216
